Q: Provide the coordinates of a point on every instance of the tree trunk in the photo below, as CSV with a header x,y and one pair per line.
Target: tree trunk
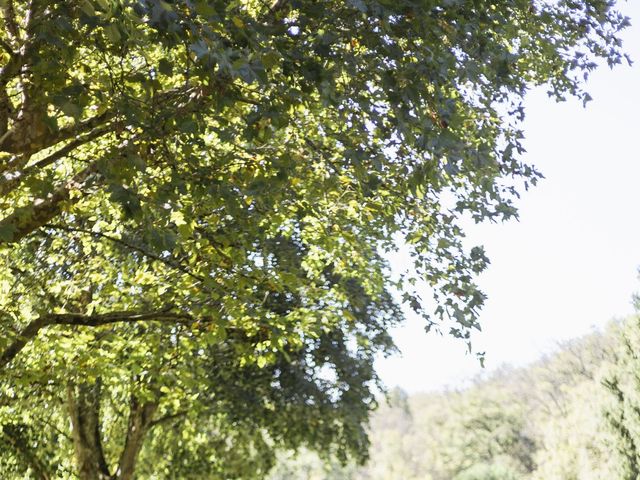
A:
x,y
84,408
140,419
83,402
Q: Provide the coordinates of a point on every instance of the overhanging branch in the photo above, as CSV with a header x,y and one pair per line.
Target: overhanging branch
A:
x,y
130,246
24,221
76,319
116,317
12,177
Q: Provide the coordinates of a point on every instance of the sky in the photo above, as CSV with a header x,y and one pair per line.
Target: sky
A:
x,y
570,264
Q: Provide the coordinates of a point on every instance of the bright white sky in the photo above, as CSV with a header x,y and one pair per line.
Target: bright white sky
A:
x,y
571,263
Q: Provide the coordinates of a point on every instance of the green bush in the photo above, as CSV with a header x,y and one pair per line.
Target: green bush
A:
x,y
483,471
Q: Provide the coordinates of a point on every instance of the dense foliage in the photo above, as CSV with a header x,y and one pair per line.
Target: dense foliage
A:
x,y
195,200
556,419
623,411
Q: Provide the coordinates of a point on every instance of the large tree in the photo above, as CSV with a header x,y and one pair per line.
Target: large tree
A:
x,y
196,198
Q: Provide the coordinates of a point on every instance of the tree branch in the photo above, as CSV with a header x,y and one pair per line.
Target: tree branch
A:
x,y
77,319
84,127
11,69
97,320
25,220
21,138
139,423
83,403
168,418
25,336
11,180
272,11
6,47
130,246
11,23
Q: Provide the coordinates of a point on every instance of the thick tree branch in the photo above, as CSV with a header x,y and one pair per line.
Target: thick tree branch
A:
x,y
178,101
10,20
5,112
6,47
23,138
77,319
96,124
25,336
13,176
83,402
36,8
11,69
27,219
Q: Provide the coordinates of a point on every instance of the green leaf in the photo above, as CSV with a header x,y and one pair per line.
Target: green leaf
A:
x,y
7,232
165,67
71,109
87,8
270,59
177,218
127,199
113,33
204,8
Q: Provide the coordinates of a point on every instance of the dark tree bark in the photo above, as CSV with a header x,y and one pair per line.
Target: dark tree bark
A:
x,y
29,332
84,409
140,421
83,402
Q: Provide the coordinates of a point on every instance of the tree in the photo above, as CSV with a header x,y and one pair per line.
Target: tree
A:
x,y
622,412
196,197
504,425
487,472
566,408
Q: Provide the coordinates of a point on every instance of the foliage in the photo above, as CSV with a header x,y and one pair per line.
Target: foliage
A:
x,y
195,200
622,413
545,421
485,471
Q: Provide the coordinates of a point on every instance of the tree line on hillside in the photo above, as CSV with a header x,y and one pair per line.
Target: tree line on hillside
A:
x,y
573,415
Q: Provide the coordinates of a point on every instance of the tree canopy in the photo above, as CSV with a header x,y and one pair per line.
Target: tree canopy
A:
x,y
196,198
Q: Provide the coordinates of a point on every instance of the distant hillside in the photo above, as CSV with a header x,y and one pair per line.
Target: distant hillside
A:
x,y
547,421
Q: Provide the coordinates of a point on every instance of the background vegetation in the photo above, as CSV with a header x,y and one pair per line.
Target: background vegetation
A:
x,y
572,415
